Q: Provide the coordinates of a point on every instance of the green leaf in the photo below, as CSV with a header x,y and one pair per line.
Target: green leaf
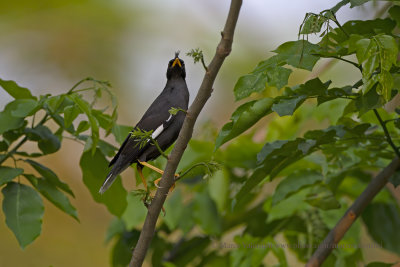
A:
x,y
394,12
51,193
206,214
15,90
184,254
370,100
355,3
105,120
382,221
94,171
174,210
295,96
286,106
294,183
106,148
116,227
380,264
47,142
7,174
83,126
248,84
122,251
135,212
24,210
7,120
299,54
50,176
120,132
271,75
395,179
22,108
312,23
243,118
70,114
218,187
85,107
287,207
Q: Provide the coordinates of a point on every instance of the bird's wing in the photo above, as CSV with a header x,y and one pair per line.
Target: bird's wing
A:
x,y
156,122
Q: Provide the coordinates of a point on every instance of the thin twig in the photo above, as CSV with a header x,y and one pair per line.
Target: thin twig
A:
x,y
337,233
387,134
154,142
223,50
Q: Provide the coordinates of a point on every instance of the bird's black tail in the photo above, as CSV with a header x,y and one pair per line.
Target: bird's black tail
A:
x,y
109,180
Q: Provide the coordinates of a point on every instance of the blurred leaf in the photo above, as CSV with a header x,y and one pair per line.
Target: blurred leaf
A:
x,y
395,179
394,12
382,221
370,100
380,264
3,145
94,171
106,148
7,174
184,253
85,107
135,211
355,3
82,126
250,250
323,198
50,176
15,90
120,132
287,207
21,108
116,227
243,118
122,251
206,214
218,187
24,210
294,183
173,210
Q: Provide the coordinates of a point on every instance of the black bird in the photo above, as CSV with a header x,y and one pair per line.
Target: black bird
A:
x,y
158,119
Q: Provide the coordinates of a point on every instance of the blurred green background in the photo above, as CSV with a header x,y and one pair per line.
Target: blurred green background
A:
x,y
48,46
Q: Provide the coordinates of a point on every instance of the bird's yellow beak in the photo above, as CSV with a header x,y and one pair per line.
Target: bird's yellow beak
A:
x,y
177,61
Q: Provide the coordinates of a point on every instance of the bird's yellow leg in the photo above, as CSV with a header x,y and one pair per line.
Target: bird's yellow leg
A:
x,y
148,165
142,177
158,180
154,168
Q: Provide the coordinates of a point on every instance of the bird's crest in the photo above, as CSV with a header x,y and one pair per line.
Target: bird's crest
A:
x,y
177,53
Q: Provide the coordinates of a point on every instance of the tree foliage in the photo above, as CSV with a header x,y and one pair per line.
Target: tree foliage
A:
x,y
318,172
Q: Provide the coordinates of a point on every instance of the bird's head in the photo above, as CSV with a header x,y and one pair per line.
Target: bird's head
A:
x,y
176,67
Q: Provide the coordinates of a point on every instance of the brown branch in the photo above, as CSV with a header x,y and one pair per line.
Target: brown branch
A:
x,y
204,93
337,233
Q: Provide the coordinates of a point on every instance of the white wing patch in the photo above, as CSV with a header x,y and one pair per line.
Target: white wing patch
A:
x,y
160,128
157,132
